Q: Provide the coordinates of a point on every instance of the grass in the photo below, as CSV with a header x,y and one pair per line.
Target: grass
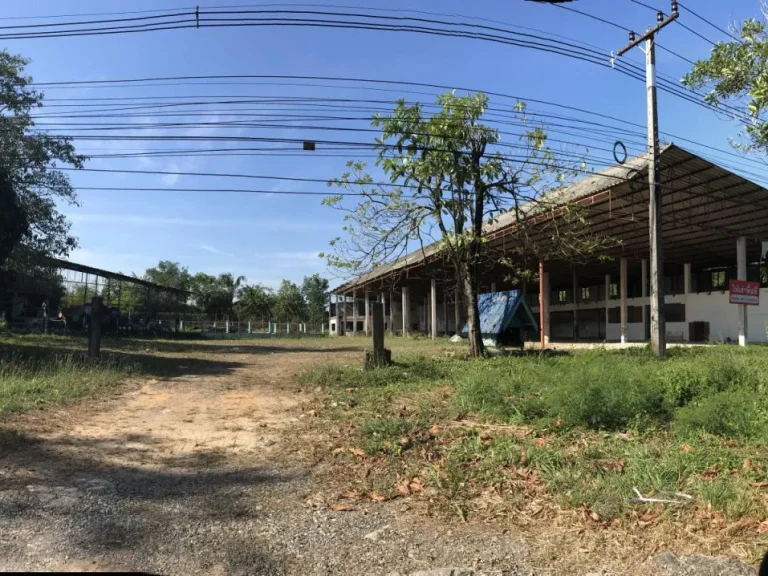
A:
x,y
580,432
29,381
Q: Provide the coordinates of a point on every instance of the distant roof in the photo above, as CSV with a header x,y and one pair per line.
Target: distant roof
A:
x,y
66,265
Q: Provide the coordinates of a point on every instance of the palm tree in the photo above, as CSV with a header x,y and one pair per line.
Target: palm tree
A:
x,y
230,286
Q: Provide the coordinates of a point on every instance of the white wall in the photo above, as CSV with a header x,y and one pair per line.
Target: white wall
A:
x,y
713,308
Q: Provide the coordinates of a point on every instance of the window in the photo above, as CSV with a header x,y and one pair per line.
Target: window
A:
x,y
562,296
614,290
635,314
585,294
614,315
674,312
718,280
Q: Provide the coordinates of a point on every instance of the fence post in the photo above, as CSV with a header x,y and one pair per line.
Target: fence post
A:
x,y
94,328
226,326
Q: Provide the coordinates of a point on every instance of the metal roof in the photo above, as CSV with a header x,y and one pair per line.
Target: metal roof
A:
x,y
706,207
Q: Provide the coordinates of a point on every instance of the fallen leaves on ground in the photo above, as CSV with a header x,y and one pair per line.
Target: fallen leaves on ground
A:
x,y
357,452
350,495
376,497
685,448
340,507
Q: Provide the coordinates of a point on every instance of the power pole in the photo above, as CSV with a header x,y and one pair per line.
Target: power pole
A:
x,y
658,328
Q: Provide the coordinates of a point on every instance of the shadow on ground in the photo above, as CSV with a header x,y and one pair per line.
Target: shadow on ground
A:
x,y
93,508
147,363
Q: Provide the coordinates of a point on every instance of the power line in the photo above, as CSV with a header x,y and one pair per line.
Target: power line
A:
x,y
715,26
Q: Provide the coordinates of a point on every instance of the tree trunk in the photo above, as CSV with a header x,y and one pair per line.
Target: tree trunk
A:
x,y
469,285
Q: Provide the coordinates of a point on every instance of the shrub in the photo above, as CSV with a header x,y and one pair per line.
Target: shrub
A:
x,y
607,396
737,413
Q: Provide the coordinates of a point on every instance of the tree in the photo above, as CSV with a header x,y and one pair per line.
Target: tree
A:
x,y
448,180
255,301
736,77
30,157
13,220
289,302
170,274
216,295
314,289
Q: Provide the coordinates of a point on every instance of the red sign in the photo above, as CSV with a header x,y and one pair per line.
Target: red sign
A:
x,y
744,292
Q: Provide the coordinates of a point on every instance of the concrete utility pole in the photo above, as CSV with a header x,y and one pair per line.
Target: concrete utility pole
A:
x,y
658,328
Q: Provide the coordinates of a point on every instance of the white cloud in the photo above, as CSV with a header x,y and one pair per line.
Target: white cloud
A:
x,y
171,179
214,250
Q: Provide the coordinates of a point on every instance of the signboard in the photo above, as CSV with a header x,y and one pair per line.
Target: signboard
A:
x,y
744,292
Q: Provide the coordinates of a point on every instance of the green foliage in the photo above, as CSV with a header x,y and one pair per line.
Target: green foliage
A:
x,y
314,289
13,219
215,295
29,157
736,74
255,301
739,413
290,305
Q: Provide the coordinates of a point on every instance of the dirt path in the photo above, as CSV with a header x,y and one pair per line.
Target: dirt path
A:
x,y
202,471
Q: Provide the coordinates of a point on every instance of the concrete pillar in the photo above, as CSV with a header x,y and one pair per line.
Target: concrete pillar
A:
x,y
391,312
576,298
250,331
607,302
406,311
687,278
226,326
354,313
287,327
433,310
367,321
344,314
544,315
741,274
644,291
445,313
383,301
457,309
623,300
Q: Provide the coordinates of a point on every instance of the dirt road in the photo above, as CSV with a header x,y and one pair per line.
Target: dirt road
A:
x,y
204,469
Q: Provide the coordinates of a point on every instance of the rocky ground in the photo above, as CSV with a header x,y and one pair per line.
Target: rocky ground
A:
x,y
210,469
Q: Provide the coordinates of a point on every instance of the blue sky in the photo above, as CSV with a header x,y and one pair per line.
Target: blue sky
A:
x,y
270,237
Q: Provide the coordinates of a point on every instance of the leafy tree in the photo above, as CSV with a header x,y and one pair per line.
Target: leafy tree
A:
x,y
215,295
736,77
256,301
30,156
314,289
13,219
448,179
289,303
170,274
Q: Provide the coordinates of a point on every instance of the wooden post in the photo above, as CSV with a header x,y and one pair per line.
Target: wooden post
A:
x,y
94,328
379,356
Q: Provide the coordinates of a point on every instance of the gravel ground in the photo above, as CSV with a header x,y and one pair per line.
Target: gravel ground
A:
x,y
208,469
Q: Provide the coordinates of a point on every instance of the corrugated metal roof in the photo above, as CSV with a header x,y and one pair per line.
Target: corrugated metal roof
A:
x,y
701,200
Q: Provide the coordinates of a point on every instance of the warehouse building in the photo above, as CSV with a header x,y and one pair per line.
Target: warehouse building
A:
x,y
713,227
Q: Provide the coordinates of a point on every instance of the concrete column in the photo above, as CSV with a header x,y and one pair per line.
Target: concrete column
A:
x,y
644,290
383,302
354,313
576,298
433,310
457,309
391,312
367,321
544,316
741,274
406,311
250,331
445,313
344,314
226,325
607,302
623,300
687,278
